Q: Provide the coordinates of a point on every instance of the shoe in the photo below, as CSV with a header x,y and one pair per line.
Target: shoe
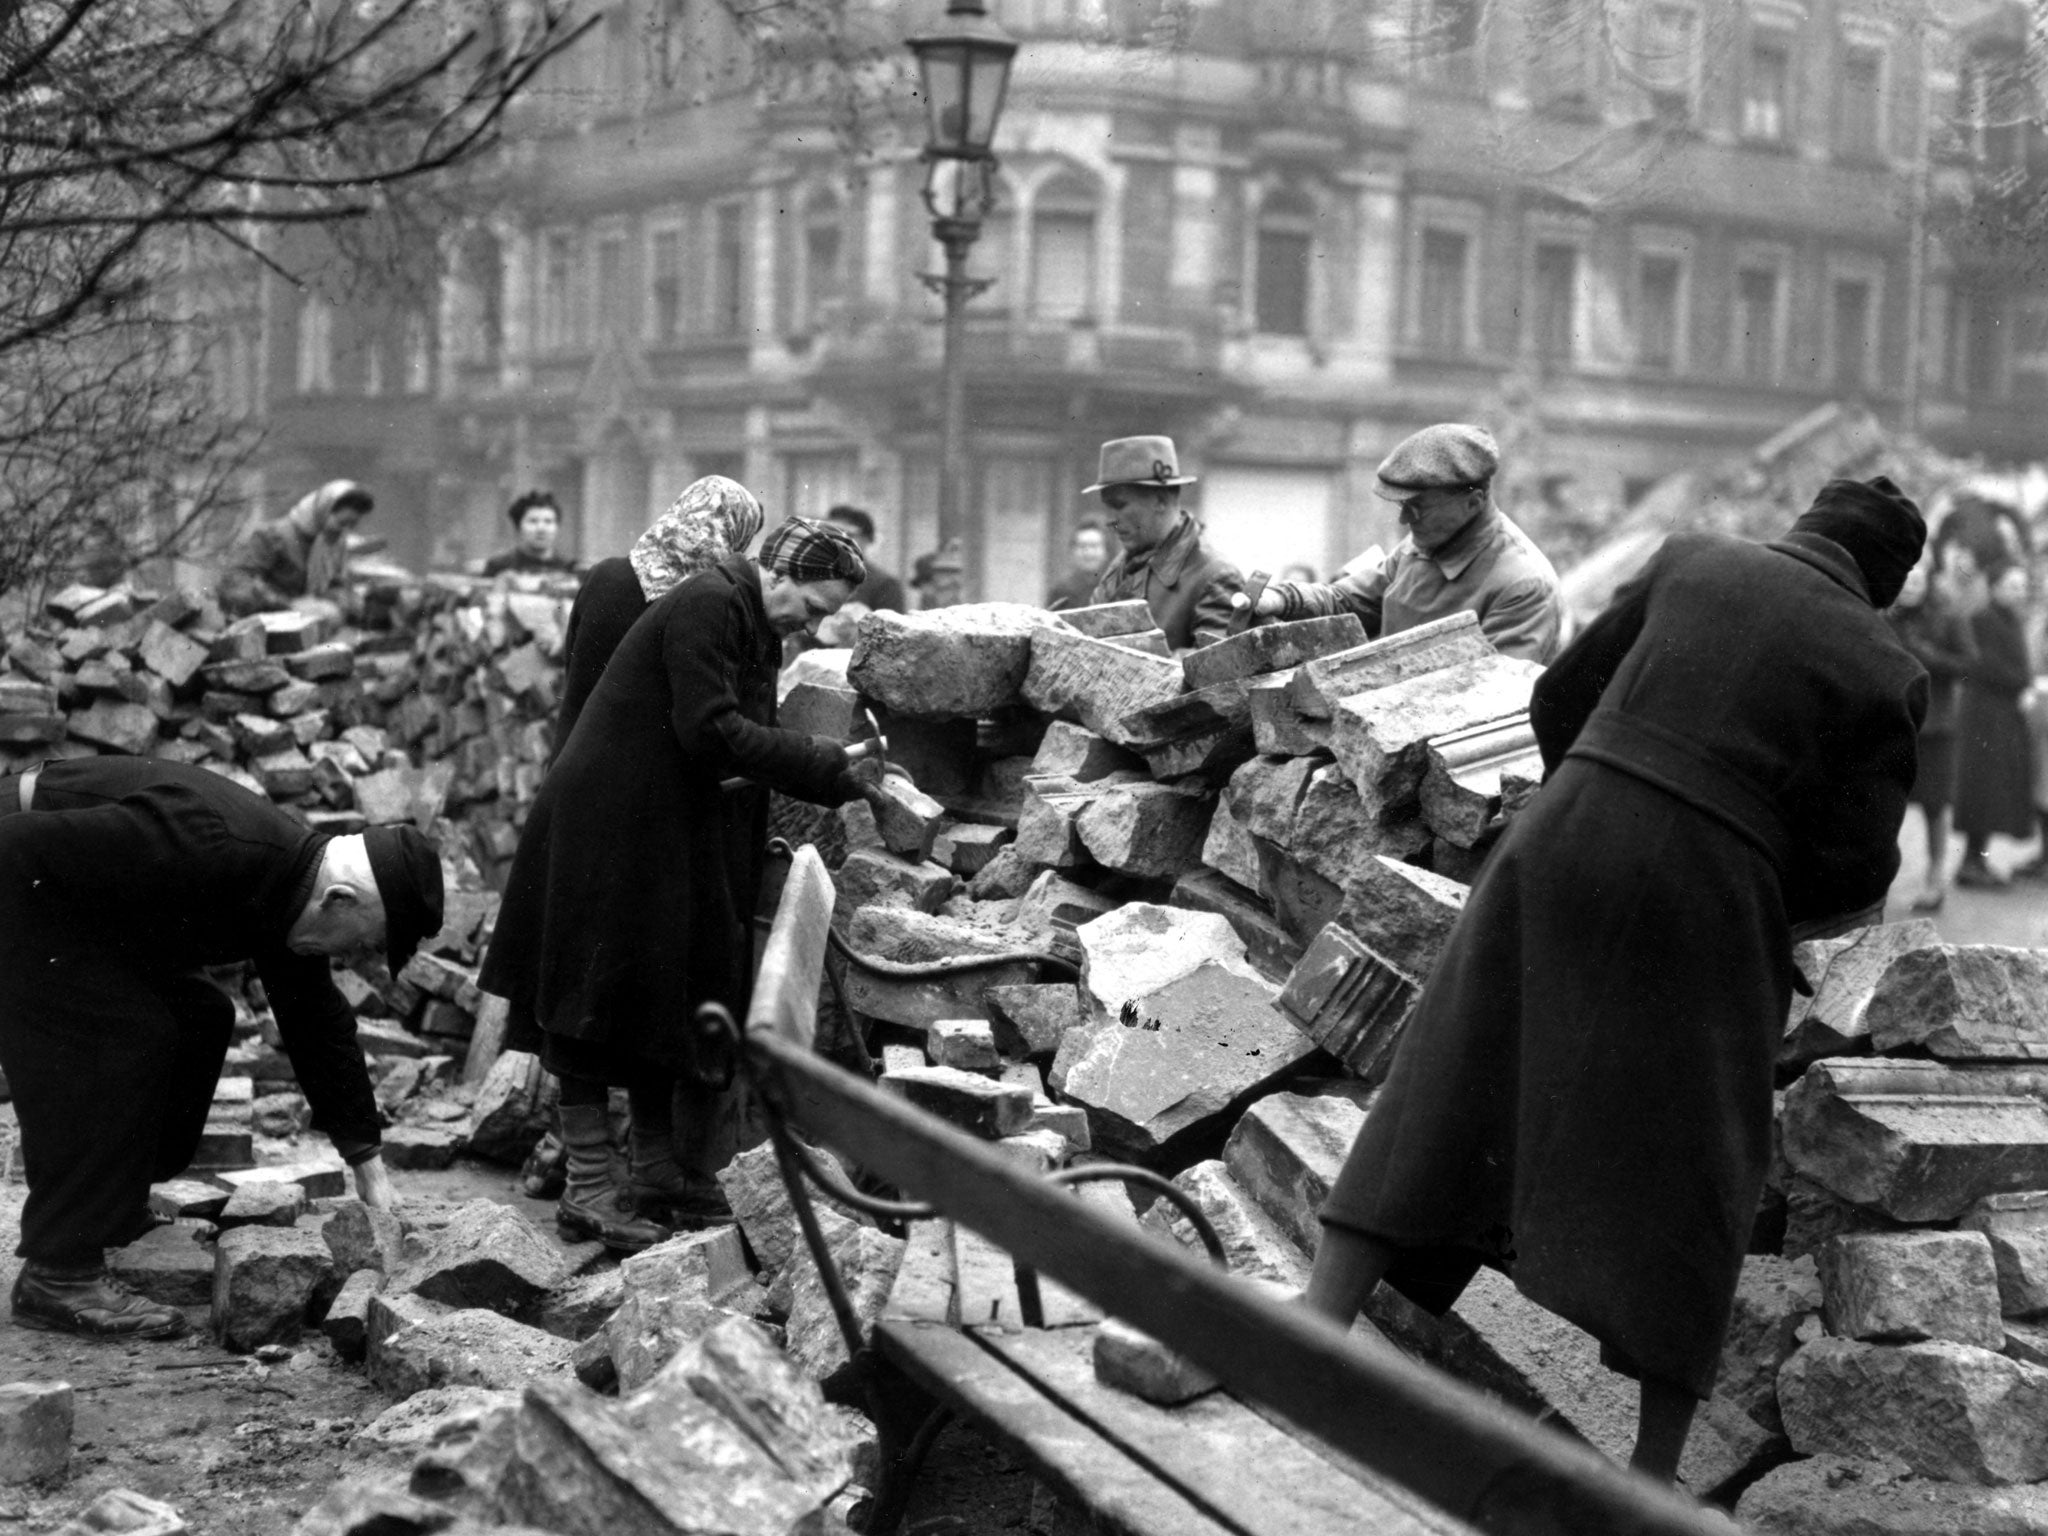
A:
x,y
1929,901
90,1302
1978,876
592,1204
697,1201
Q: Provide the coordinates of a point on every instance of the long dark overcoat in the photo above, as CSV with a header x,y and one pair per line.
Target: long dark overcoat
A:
x,y
1584,1093
1994,755
607,605
630,899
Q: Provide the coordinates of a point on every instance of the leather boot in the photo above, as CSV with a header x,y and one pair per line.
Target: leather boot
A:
x,y
89,1301
662,1189
590,1205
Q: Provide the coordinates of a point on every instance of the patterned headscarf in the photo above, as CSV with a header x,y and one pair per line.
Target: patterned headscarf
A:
x,y
804,550
713,518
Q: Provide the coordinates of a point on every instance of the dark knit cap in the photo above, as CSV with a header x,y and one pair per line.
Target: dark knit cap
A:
x,y
407,865
1877,523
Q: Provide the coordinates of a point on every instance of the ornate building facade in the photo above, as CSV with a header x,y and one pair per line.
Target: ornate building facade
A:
x,y
1631,237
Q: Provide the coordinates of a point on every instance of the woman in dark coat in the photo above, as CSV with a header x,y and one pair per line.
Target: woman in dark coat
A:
x,y
1994,763
1583,1097
631,897
1929,626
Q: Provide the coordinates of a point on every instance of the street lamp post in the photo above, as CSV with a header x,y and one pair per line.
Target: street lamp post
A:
x,y
964,72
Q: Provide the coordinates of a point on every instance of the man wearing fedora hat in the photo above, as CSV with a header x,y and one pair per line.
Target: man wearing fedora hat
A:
x,y
1460,555
122,880
1165,558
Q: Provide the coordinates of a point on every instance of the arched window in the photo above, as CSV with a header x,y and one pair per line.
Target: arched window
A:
x,y
822,264
1286,236
315,373
1063,249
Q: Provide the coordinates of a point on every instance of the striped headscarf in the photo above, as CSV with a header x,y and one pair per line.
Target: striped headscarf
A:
x,y
713,518
804,550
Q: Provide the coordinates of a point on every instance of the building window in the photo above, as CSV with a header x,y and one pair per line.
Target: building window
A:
x,y
1767,90
1756,323
373,367
557,291
1659,296
1554,301
612,298
824,280
477,306
1063,250
1670,55
315,372
728,286
1285,242
1443,297
1859,104
1851,315
665,285
1993,108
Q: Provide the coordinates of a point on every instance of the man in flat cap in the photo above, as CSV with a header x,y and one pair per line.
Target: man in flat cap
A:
x,y
121,881
1583,1095
1165,560
1460,555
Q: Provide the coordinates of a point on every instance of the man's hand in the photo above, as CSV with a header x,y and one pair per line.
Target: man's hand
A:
x,y
873,747
373,1184
1269,606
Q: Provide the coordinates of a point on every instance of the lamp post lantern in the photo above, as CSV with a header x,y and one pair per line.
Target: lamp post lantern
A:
x,y
964,72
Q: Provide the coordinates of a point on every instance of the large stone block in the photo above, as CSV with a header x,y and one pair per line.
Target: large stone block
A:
x,y
347,1323
906,818
1964,1002
1048,830
875,876
264,1279
1074,752
1402,912
1340,835
962,661
753,1186
1286,1152
1381,738
966,848
868,1262
1096,683
1149,830
1913,1140
819,709
1272,950
1844,973
415,1344
508,1116
979,1105
1219,707
1032,1018
1253,1241
488,1256
1181,1063
1127,1360
675,1292
362,1237
1774,1300
1271,648
1265,794
1229,849
1448,642
1471,771
1837,1496
1107,621
1903,1287
1946,1410
168,1264
35,1430
1350,1001
119,727
1140,948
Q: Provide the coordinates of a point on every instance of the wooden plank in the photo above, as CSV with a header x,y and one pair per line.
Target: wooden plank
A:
x,y
1124,1497
1460,1451
1220,1452
786,985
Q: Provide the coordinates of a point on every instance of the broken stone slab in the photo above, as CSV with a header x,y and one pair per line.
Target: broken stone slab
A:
x,y
1224,706
868,1262
1141,948
1096,683
1904,1287
1814,1216
1105,621
966,1044
488,1256
1916,1141
1271,648
428,1420
966,661
361,1236
578,1308
394,795
1381,738
1272,950
1278,728
509,1115
264,1279
415,1344
1947,1410
1190,1057
1229,847
1127,1360
1054,908
1844,973
1402,912
753,1186
875,876
268,1203
119,727
125,1510
1469,772
1032,1018
966,848
819,709
1266,792
1048,825
1964,1002
906,818
1350,1001
1206,757
1070,751
2021,1259
1838,1496
674,1292
1148,830
1286,1152
979,1105
168,1265
1253,1241
1775,1299
1321,683
347,1323
35,1430
1338,835
420,1146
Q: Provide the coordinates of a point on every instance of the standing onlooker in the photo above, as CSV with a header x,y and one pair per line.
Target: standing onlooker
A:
x,y
1167,559
536,520
940,577
882,591
1088,553
1927,624
1994,773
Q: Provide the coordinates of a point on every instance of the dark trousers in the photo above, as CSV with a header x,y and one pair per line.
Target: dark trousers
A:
x,y
112,1064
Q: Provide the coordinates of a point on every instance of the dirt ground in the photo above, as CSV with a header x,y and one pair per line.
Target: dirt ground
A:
x,y
242,1448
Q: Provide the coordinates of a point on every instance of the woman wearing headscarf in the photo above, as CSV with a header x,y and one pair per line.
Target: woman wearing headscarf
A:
x,y
1994,766
631,898
302,554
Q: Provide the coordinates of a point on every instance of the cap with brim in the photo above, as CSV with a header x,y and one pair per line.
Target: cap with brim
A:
x,y
407,867
1137,461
